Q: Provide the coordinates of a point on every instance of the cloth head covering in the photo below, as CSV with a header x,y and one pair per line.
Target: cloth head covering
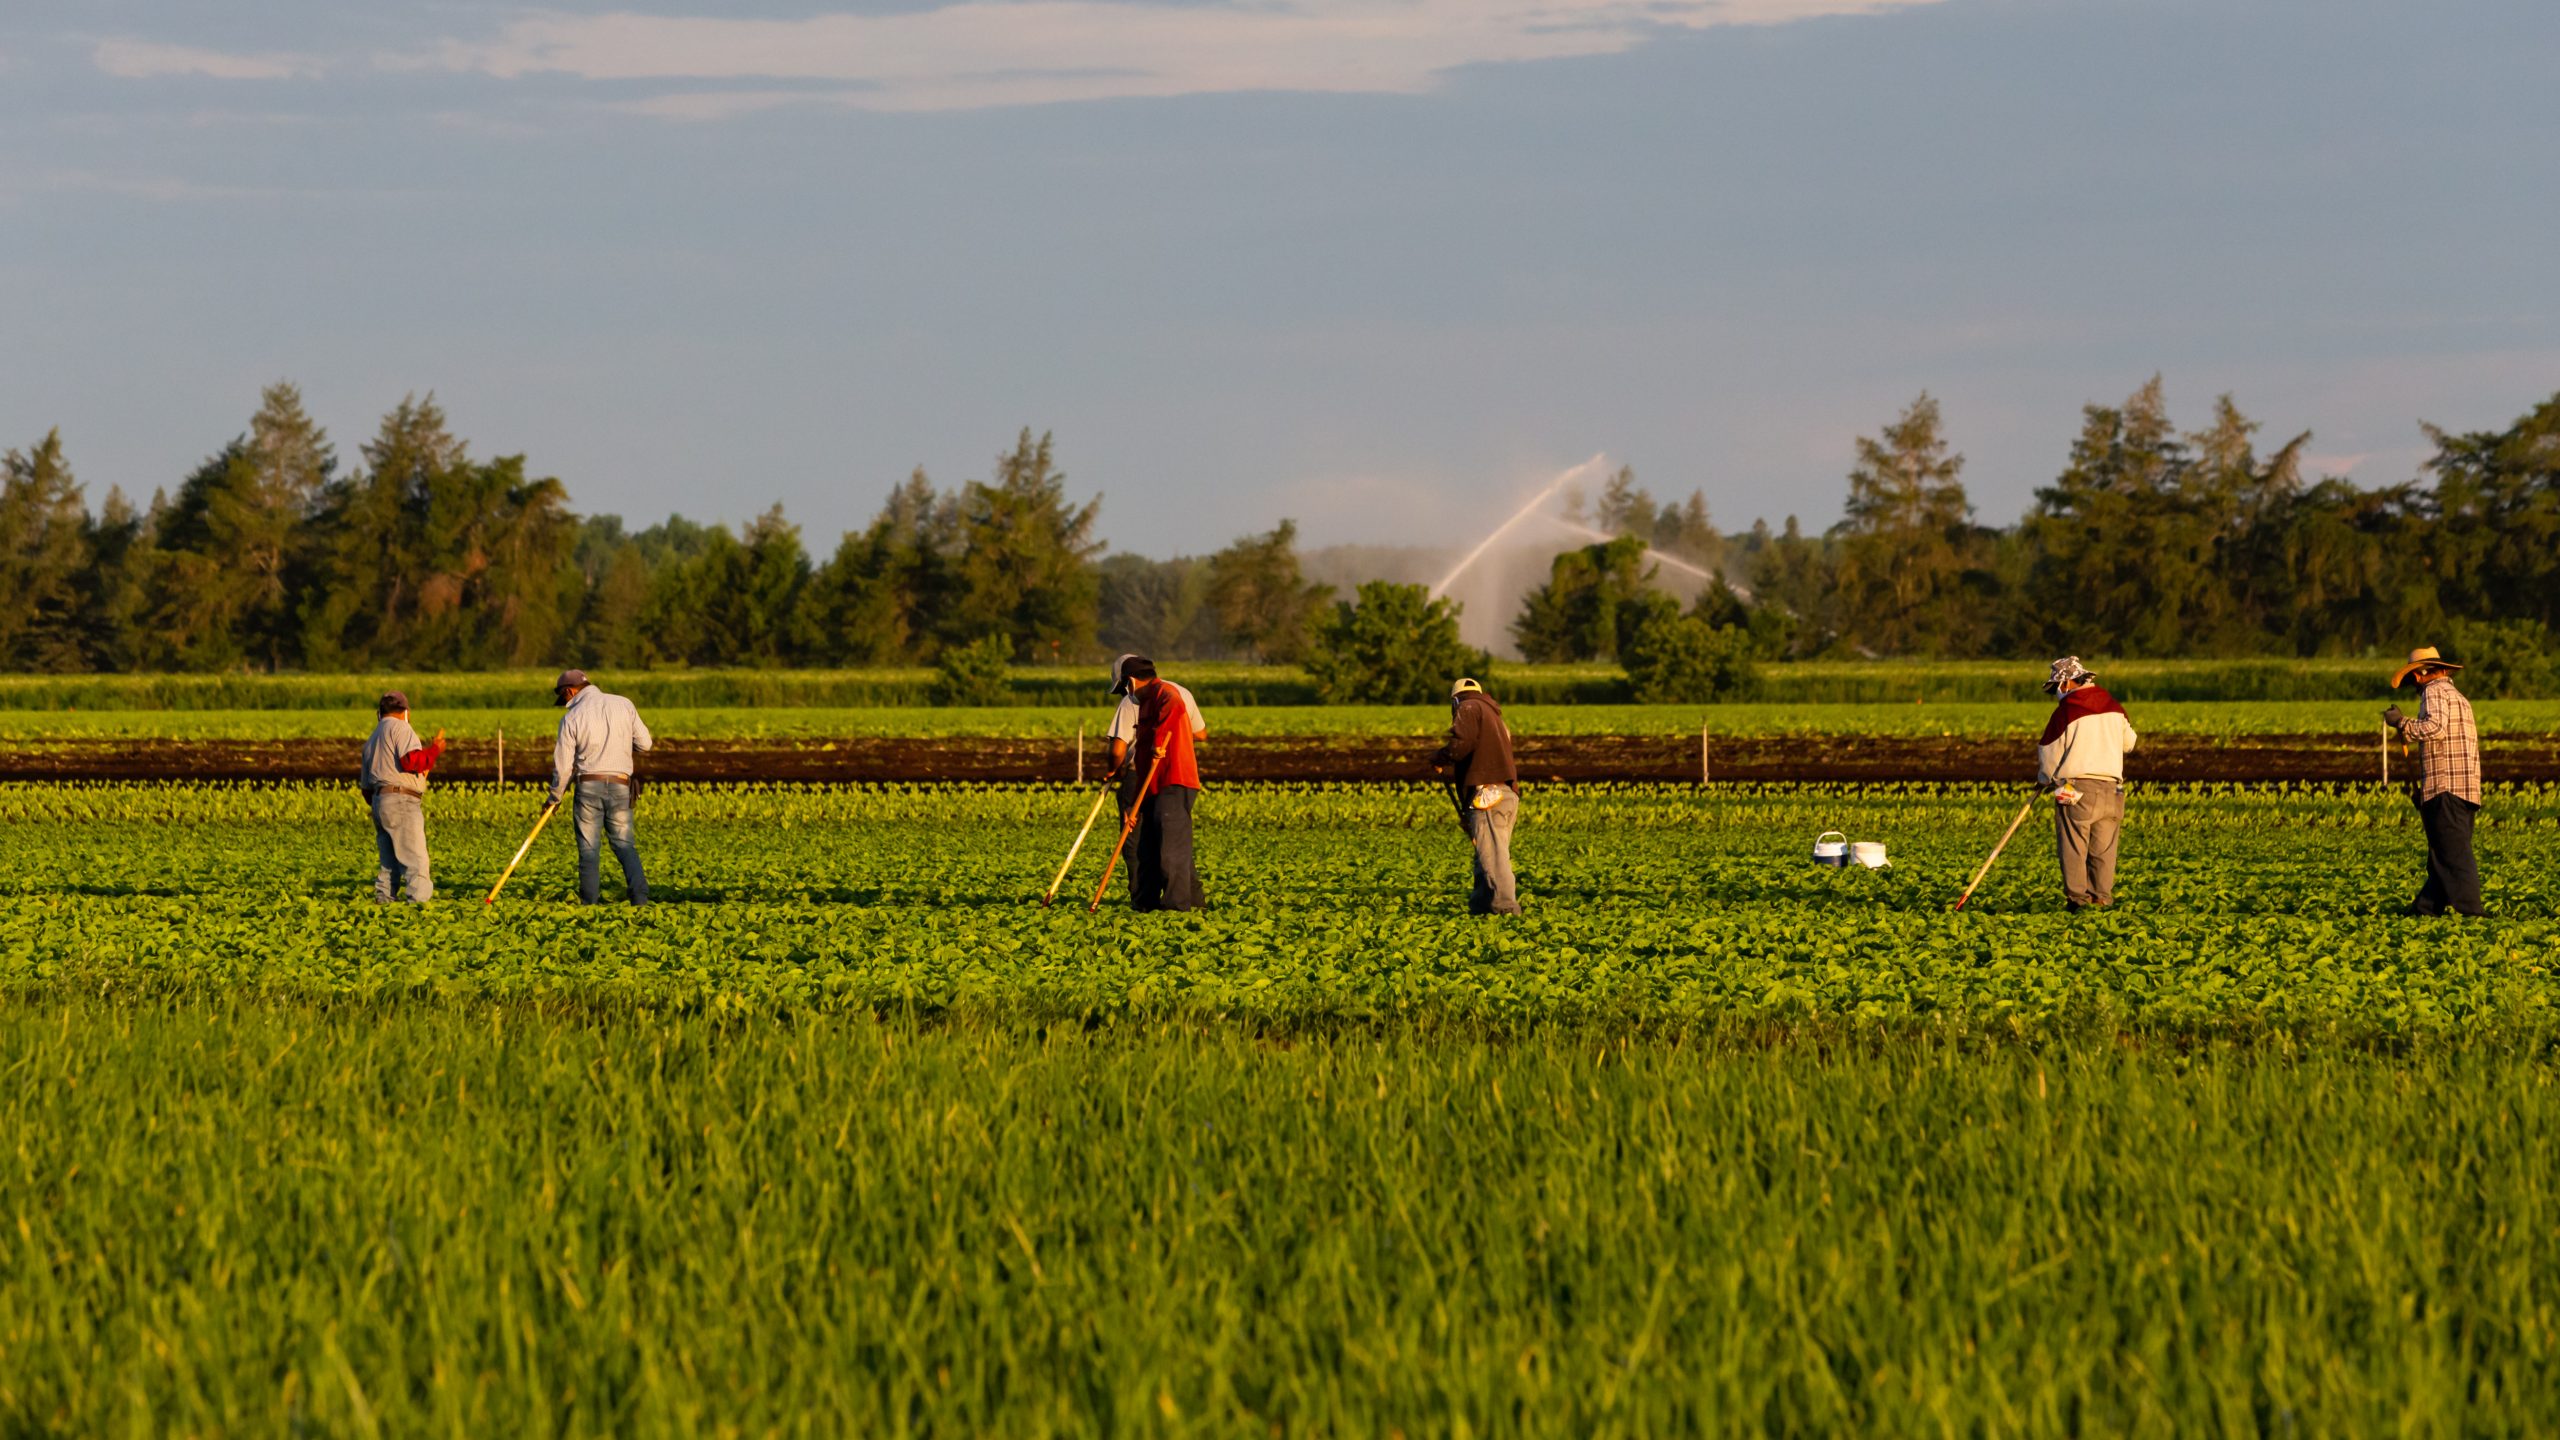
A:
x,y
2067,671
569,679
391,703
2423,655
1464,686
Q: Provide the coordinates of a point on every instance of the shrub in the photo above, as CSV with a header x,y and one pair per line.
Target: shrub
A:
x,y
1681,658
974,674
1396,646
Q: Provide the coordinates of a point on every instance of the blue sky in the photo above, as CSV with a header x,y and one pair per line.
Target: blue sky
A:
x,y
1378,264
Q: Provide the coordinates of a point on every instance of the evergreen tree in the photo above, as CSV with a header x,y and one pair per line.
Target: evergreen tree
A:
x,y
44,556
1906,544
371,569
884,596
1025,568
1594,600
1158,608
1265,606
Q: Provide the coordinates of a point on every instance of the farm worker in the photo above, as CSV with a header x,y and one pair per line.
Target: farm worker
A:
x,y
2080,762
394,780
2448,785
1485,782
1162,875
598,735
1124,726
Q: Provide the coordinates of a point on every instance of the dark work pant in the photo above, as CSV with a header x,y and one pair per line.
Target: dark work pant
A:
x,y
1161,874
2453,877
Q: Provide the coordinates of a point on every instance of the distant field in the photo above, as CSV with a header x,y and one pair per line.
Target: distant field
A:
x,y
1222,684
534,726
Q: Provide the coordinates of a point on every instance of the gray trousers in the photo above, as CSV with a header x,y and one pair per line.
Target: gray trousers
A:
x,y
400,845
604,817
2085,835
1489,831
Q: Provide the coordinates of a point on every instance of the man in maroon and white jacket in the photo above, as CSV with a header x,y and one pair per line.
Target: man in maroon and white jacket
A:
x,y
2080,762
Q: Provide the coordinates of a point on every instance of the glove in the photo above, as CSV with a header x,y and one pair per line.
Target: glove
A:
x,y
2065,795
2392,717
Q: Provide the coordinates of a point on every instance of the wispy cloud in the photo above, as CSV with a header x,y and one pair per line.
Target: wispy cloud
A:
x,y
143,60
984,53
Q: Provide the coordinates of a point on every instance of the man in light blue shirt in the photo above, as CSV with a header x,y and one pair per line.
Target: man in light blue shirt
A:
x,y
599,734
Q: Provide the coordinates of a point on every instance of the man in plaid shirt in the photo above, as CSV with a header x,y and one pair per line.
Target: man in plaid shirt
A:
x,y
2448,784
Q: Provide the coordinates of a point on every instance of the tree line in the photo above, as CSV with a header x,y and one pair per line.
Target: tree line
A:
x,y
270,556
2151,541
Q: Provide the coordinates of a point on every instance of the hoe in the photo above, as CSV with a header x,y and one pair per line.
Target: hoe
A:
x,y
520,852
1090,816
1128,827
1995,850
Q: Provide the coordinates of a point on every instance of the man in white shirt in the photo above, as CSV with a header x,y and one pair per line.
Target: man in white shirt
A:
x,y
599,735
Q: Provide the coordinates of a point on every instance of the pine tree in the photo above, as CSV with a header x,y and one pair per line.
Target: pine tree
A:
x,y
1025,568
1266,609
43,557
1905,543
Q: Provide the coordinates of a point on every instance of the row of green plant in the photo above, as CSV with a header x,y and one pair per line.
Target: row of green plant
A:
x,y
528,732
2241,911
1224,684
418,1217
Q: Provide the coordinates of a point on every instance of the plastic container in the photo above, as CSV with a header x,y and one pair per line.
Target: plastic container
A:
x,y
1831,848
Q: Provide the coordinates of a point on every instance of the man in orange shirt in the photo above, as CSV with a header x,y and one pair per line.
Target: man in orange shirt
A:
x,y
1162,875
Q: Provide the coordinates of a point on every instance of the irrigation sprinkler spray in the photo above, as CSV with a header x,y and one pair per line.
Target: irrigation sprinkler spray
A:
x,y
1592,465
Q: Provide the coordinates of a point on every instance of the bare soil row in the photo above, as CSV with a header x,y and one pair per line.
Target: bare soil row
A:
x,y
1543,759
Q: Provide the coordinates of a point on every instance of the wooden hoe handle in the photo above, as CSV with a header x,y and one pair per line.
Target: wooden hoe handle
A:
x,y
1128,827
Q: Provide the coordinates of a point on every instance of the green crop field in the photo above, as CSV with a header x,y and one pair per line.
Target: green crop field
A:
x,y
847,1134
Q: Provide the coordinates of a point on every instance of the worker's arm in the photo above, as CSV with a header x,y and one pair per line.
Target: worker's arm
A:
x,y
1465,729
2130,739
2421,726
423,759
640,740
564,761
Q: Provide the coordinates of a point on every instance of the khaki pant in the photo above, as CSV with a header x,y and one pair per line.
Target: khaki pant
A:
x,y
1489,831
2085,835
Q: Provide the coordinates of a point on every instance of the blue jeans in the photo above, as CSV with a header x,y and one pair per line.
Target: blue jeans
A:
x,y
604,816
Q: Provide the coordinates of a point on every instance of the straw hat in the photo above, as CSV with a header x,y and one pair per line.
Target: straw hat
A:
x,y
2423,655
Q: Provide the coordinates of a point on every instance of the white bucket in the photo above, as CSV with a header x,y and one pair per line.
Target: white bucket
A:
x,y
1869,853
1831,848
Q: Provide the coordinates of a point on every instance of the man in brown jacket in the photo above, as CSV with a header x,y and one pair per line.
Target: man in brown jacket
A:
x,y
1485,782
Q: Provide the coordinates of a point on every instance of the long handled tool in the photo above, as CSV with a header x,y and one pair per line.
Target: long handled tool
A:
x,y
1128,828
520,853
1995,851
1090,816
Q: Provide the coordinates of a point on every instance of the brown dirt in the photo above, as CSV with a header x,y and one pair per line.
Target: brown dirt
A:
x,y
1587,758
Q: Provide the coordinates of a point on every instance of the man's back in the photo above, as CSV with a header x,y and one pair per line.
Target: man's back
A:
x,y
599,734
